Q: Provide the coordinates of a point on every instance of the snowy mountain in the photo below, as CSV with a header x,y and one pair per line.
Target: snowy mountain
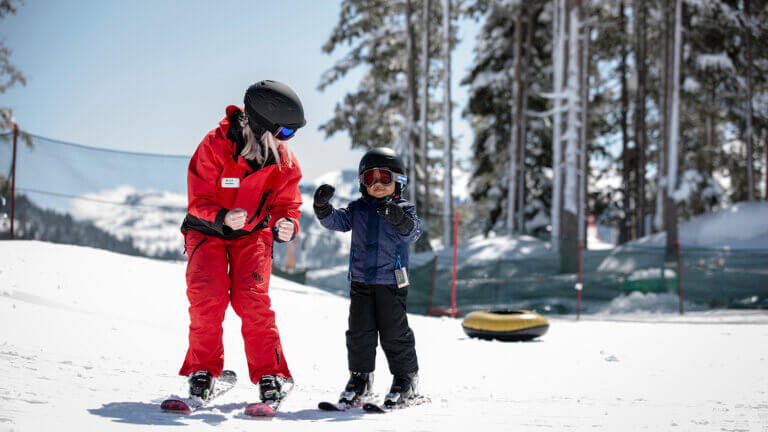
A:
x,y
115,332
151,218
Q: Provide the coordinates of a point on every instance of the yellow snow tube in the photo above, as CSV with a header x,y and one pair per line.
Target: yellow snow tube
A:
x,y
505,325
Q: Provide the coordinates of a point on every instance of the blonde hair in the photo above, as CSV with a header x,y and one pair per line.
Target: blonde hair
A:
x,y
258,149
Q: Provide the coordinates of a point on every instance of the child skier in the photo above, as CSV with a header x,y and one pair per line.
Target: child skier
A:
x,y
383,226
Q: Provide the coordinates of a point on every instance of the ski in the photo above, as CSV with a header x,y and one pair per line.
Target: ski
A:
x,y
387,407
187,405
268,408
344,405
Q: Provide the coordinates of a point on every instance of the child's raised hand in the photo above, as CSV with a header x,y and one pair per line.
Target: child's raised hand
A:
x,y
323,194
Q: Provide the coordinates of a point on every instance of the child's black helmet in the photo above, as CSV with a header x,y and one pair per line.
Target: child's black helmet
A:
x,y
381,157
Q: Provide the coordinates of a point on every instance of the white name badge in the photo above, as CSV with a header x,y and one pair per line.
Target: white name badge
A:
x,y
230,182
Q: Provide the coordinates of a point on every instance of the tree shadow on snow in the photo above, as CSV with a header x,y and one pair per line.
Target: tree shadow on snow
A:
x,y
142,413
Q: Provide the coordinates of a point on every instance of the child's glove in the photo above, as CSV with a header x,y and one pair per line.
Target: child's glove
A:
x,y
395,215
323,194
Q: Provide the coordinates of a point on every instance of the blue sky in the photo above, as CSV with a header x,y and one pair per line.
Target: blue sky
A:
x,y
155,76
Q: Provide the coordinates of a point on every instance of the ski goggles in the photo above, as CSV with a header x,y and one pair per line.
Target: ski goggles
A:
x,y
284,133
381,175
281,133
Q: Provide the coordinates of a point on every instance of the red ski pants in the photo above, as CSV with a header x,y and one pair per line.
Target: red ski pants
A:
x,y
222,271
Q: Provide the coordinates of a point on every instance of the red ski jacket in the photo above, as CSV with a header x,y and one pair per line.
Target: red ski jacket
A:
x,y
220,180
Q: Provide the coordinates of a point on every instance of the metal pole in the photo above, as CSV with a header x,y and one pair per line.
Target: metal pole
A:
x,y
455,256
432,291
679,276
579,285
13,176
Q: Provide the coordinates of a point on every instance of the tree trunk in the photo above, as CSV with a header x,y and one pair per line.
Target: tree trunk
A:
x,y
569,240
750,163
584,147
674,136
447,130
424,139
558,54
412,113
514,134
640,129
663,143
524,120
626,223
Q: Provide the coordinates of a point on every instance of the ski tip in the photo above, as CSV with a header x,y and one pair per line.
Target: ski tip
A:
x,y
175,406
259,410
328,406
373,408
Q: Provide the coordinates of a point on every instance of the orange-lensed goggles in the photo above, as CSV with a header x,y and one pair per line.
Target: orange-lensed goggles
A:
x,y
373,175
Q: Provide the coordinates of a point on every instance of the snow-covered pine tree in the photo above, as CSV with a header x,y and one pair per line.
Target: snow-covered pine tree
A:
x,y
488,110
377,113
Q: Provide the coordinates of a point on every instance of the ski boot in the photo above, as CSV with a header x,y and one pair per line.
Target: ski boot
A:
x,y
201,384
274,387
359,389
404,389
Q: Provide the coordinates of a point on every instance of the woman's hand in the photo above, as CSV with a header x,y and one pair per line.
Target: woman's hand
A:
x,y
236,218
285,229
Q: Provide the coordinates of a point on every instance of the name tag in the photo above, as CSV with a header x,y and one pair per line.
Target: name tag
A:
x,y
230,182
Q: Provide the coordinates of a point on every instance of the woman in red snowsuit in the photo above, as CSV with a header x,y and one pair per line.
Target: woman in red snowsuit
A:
x,y
242,195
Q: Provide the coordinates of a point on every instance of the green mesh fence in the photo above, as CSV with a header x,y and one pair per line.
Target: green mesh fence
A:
x,y
709,278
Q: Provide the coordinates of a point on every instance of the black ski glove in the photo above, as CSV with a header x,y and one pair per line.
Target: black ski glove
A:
x,y
395,215
323,194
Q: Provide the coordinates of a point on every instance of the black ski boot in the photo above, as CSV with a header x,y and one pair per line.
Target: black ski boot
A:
x,y
201,384
359,388
404,389
274,387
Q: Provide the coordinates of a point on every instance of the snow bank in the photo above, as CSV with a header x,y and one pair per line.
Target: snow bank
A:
x,y
479,250
741,226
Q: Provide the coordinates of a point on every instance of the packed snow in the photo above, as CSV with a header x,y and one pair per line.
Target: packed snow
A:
x,y
740,226
92,340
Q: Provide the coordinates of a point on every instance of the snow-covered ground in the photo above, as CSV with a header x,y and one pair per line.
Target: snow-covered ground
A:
x,y
92,340
742,225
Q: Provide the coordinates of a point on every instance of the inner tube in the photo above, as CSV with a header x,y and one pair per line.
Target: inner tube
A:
x,y
505,325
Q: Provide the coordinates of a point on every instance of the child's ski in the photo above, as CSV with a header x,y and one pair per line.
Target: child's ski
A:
x,y
182,405
344,405
389,406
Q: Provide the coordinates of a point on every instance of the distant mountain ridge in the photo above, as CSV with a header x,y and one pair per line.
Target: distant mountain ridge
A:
x,y
151,219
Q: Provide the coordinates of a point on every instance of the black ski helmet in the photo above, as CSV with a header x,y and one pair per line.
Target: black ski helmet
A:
x,y
382,157
272,104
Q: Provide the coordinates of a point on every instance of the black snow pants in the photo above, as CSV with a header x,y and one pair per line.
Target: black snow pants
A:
x,y
379,311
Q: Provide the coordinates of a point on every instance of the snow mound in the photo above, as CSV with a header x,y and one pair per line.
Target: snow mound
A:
x,y
741,226
479,250
650,303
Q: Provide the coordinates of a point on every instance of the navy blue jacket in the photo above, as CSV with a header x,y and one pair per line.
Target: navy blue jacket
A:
x,y
376,244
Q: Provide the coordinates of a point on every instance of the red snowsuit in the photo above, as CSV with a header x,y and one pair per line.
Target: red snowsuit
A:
x,y
235,265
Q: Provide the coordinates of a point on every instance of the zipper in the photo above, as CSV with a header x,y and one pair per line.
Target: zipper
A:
x,y
277,354
349,272
263,200
195,249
